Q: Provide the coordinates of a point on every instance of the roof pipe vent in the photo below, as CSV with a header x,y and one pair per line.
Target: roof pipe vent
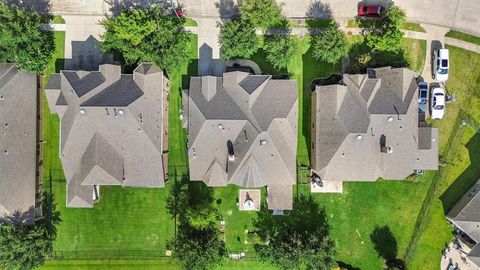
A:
x,y
359,137
82,111
263,142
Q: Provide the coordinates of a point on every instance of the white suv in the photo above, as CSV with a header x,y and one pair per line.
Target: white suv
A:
x,y
440,64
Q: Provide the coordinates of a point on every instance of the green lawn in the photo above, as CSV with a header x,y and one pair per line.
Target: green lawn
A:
x,y
411,26
129,219
57,61
463,36
464,80
412,54
58,20
190,22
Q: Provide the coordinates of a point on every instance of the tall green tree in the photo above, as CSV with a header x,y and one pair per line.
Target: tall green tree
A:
x,y
299,240
279,50
198,249
238,39
197,244
261,13
23,247
330,45
21,39
387,35
147,35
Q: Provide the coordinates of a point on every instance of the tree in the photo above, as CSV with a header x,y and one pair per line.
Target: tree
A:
x,y
299,240
198,249
197,244
261,13
387,35
331,45
279,50
22,41
238,39
147,35
23,247
27,246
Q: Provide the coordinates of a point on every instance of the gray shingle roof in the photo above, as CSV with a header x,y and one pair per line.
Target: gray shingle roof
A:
x,y
258,118
466,212
85,84
18,114
119,94
112,134
353,122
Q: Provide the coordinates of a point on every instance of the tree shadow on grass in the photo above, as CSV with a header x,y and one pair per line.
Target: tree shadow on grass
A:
x,y
385,244
466,180
260,58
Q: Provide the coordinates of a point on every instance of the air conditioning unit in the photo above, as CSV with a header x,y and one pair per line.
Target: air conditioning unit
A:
x,y
231,157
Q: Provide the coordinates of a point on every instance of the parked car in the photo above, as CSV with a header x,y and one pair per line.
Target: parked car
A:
x,y
422,96
437,103
371,11
440,64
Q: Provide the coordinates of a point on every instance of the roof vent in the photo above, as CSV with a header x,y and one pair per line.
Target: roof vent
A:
x,y
194,153
6,124
389,150
120,111
2,97
107,112
82,111
359,137
263,142
390,119
220,126
5,152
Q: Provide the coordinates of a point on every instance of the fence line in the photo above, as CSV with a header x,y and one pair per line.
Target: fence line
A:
x,y
461,120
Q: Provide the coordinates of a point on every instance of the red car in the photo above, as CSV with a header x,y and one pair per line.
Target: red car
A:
x,y
371,11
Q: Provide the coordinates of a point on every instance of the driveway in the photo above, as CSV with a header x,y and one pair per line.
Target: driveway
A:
x,y
82,33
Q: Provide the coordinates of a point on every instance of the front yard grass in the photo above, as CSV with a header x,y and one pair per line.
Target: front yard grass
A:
x,y
410,26
463,36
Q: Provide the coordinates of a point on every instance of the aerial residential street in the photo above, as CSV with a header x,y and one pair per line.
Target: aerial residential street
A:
x,y
233,135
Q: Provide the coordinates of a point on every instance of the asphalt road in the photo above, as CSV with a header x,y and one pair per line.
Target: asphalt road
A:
x,y
458,14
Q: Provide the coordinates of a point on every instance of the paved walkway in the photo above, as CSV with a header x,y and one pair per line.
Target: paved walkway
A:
x,y
455,257
462,44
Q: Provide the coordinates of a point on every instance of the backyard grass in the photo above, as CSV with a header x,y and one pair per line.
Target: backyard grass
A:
x,y
463,36
464,80
128,219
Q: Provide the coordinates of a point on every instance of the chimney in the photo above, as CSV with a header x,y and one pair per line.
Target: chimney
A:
x,y
110,72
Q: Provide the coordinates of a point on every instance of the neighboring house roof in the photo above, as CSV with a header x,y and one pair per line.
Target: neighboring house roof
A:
x,y
18,114
251,118
371,124
465,215
111,128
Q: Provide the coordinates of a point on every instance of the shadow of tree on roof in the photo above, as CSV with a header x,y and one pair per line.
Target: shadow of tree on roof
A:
x,y
466,180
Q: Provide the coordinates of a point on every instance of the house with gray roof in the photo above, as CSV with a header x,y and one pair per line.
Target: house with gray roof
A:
x,y
465,217
368,127
19,202
242,130
113,129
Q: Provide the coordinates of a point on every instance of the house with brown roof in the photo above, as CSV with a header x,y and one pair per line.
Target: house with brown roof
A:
x,y
113,129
